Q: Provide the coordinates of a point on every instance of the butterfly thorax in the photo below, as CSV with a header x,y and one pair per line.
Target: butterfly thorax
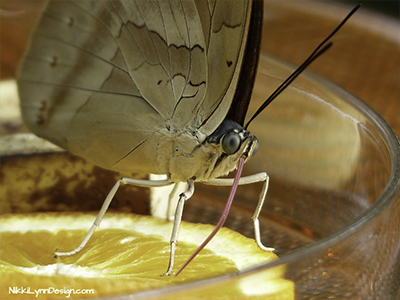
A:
x,y
190,154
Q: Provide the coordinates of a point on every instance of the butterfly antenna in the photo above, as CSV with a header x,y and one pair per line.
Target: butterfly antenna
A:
x,y
223,217
321,48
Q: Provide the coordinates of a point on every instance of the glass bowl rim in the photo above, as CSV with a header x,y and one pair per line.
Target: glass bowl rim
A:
x,y
387,197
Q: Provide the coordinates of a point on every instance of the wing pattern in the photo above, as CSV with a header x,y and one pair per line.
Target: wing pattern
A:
x,y
101,77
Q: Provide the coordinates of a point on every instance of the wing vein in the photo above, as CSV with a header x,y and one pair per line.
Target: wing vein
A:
x,y
90,90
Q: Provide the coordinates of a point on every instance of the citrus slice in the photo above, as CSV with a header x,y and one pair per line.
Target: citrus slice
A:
x,y
127,254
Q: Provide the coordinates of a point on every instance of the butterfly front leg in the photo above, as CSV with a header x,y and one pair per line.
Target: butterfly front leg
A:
x,y
259,177
183,197
106,204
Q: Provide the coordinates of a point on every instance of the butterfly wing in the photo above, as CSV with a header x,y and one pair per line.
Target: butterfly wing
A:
x,y
230,21
100,77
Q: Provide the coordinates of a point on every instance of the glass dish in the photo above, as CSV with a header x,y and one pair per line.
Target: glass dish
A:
x,y
331,210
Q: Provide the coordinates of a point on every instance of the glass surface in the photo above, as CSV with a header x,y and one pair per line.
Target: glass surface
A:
x,y
330,212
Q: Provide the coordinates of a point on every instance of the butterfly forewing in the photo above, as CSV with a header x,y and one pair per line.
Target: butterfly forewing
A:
x,y
228,37
103,78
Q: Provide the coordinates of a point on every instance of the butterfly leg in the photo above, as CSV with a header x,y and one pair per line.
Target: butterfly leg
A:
x,y
183,197
260,203
172,199
259,177
106,204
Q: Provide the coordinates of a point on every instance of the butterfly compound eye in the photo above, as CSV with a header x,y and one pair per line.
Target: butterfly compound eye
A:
x,y
231,142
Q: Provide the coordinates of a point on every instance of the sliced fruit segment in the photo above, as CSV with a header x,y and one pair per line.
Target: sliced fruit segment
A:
x,y
127,254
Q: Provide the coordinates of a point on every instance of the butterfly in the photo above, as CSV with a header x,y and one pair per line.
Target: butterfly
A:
x,y
149,86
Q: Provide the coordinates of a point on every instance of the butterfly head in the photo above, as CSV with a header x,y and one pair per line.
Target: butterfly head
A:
x,y
232,142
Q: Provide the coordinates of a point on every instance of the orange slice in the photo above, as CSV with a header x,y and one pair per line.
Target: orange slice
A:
x,y
127,254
